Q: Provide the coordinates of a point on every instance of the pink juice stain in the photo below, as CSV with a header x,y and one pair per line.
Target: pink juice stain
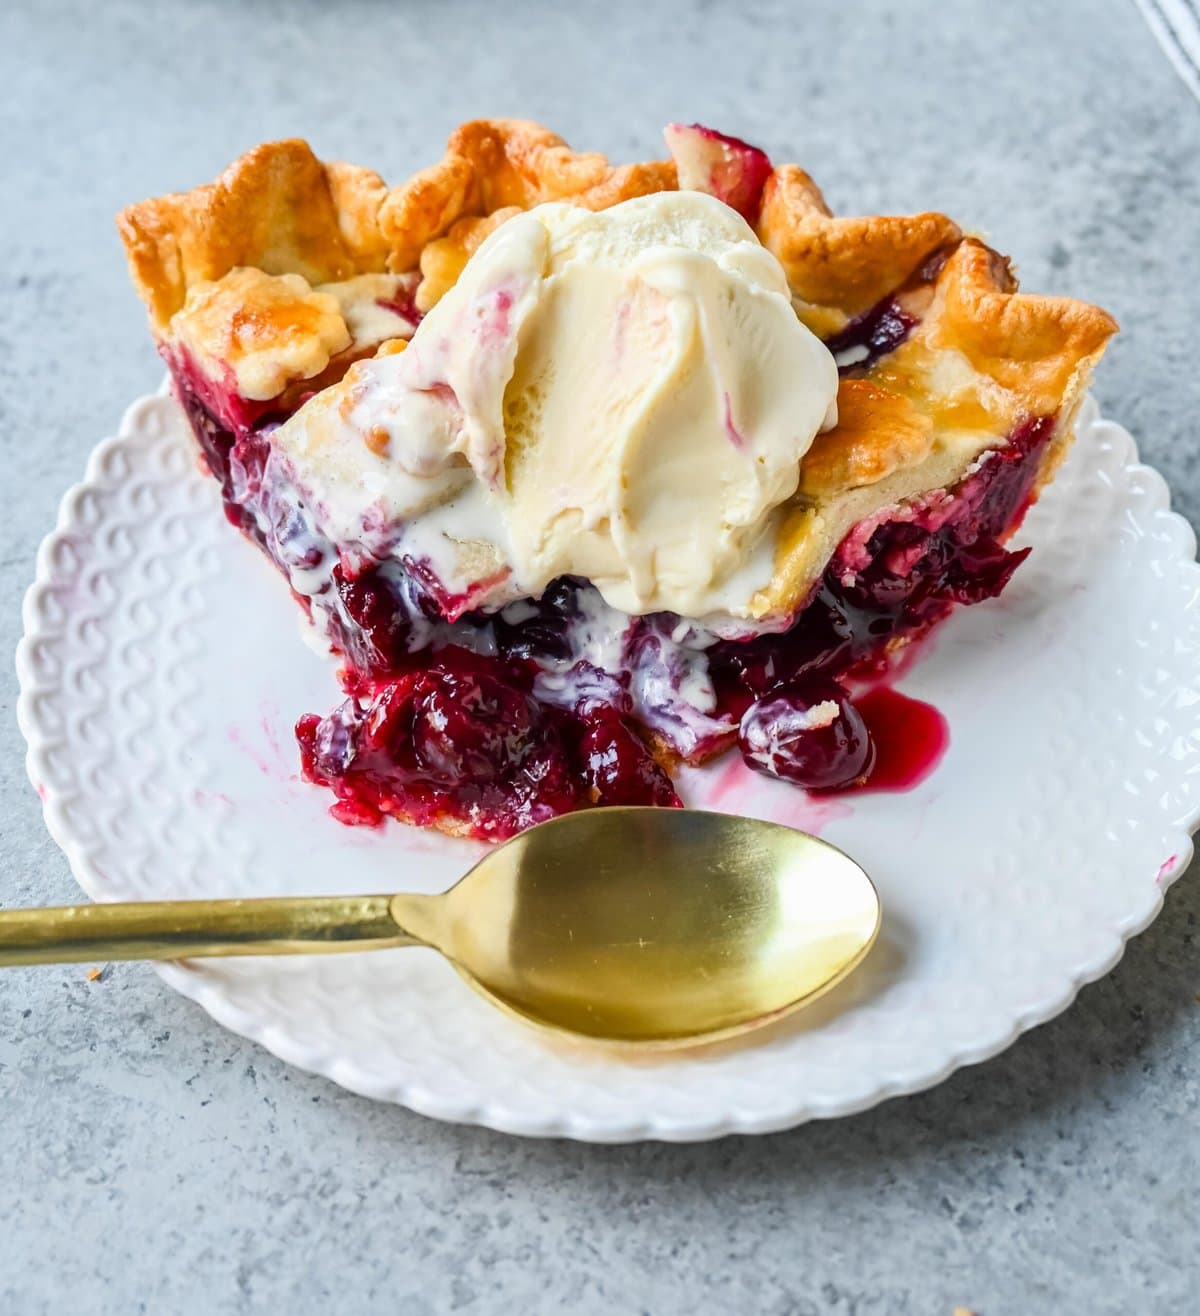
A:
x,y
732,779
204,799
911,738
270,737
736,437
1166,869
268,762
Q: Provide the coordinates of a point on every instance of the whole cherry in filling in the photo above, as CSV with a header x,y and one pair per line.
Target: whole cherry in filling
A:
x,y
618,768
462,741
471,726
450,742
808,733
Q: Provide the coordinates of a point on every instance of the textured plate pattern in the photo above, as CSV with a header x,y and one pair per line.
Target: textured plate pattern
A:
x,y
161,672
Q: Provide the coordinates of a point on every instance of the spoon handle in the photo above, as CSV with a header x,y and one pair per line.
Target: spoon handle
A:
x,y
174,929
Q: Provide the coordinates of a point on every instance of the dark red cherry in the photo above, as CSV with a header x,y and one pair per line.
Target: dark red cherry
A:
x,y
469,726
725,167
538,629
375,624
617,767
876,333
808,733
819,642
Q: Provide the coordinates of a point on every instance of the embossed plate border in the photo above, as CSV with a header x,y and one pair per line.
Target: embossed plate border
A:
x,y
155,701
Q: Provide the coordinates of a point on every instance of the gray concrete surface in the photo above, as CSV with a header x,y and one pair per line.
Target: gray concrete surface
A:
x,y
149,1161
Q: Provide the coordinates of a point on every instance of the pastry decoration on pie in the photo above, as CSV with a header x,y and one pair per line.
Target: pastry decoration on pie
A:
x,y
586,471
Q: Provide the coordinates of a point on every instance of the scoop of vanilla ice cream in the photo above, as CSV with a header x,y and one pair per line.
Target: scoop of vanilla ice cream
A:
x,y
622,395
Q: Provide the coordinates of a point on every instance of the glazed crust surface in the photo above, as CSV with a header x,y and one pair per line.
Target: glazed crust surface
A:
x,y
981,356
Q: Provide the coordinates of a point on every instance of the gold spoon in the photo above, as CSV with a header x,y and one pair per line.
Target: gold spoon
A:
x,y
650,927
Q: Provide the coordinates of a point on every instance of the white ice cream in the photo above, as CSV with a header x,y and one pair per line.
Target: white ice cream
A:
x,y
623,395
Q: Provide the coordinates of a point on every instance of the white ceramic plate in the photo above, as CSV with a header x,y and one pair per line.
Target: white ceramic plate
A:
x,y
161,672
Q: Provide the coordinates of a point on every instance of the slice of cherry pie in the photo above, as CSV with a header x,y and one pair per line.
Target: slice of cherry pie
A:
x,y
587,471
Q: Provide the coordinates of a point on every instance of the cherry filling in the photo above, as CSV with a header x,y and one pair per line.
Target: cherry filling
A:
x,y
487,724
876,333
616,766
808,733
224,423
778,693
463,741
906,576
883,327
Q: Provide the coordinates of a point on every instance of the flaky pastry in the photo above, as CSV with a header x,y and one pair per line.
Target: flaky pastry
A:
x,y
980,355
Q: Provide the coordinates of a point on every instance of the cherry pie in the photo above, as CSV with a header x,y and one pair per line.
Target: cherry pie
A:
x,y
480,713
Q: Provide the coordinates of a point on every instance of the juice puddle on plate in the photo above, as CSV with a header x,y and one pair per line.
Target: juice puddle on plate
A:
x,y
911,737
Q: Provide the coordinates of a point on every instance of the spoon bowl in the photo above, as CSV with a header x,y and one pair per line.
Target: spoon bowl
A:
x,y
636,927
658,927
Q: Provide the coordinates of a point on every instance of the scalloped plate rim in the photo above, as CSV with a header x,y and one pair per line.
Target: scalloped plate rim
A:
x,y
279,1040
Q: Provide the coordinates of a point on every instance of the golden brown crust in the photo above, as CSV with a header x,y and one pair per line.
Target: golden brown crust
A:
x,y
358,195
443,259
518,163
1032,347
275,209
280,209
844,263
877,432
984,358
494,165
266,329
424,208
